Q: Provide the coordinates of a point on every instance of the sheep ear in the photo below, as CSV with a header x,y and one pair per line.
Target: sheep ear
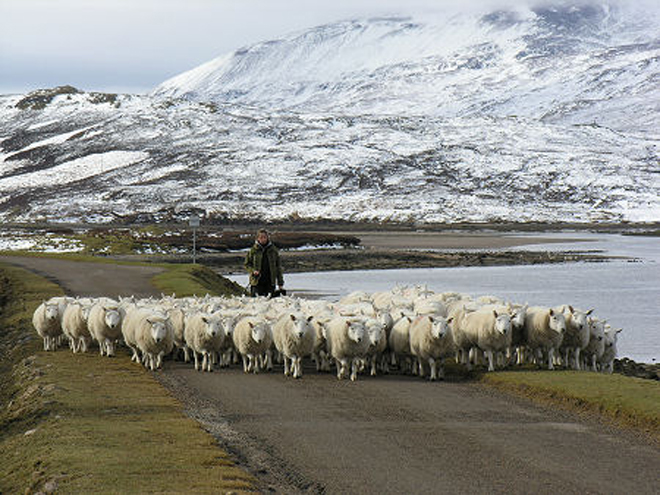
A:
x,y
348,323
431,318
552,312
310,318
589,312
570,308
293,317
450,320
495,313
409,319
251,324
618,330
205,319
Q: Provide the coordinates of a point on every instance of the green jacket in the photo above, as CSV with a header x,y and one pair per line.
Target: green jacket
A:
x,y
253,263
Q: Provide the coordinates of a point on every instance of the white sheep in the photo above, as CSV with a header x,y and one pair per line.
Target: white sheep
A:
x,y
399,341
606,361
490,330
74,326
47,322
376,331
294,337
544,332
149,331
104,324
596,346
252,338
431,342
347,343
204,334
576,337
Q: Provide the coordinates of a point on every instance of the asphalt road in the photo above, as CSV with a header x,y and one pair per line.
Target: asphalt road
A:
x,y
389,434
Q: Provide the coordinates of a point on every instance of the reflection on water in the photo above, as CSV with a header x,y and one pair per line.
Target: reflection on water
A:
x,y
626,293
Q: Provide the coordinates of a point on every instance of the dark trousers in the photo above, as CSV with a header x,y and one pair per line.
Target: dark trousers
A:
x,y
261,290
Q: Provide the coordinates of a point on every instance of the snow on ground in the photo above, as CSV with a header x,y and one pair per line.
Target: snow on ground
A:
x,y
75,170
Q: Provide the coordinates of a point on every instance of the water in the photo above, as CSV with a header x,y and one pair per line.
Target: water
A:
x,y
625,293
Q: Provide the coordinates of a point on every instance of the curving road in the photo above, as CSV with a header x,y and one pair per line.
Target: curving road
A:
x,y
387,434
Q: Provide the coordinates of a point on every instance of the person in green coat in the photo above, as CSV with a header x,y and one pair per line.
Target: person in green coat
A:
x,y
263,264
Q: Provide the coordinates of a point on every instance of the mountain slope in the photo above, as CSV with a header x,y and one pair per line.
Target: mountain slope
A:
x,y
525,115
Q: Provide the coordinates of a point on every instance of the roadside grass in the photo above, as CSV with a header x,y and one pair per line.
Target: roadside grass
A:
x,y
187,280
620,400
85,424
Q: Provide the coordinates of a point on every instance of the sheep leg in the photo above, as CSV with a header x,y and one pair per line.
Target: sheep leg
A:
x,y
297,362
489,356
577,358
196,360
551,358
205,360
355,364
433,369
373,365
286,366
246,367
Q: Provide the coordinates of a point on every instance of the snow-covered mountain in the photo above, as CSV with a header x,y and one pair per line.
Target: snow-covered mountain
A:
x,y
527,114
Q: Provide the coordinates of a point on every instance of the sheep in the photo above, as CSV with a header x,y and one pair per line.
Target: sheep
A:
x,y
430,342
577,334
464,340
544,332
178,319
606,361
346,341
204,334
596,346
104,325
47,322
490,330
74,326
150,331
377,338
294,337
252,338
399,340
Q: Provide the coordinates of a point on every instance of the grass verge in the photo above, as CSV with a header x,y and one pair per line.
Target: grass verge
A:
x,y
189,280
82,424
621,400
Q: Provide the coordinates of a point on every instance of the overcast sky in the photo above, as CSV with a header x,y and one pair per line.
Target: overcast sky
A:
x,y
133,45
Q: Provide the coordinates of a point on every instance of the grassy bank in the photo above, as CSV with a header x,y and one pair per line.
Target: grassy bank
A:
x,y
82,424
621,400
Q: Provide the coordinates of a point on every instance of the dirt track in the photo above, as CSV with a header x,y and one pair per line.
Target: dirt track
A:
x,y
387,434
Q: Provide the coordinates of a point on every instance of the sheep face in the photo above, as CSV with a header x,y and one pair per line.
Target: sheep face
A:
x,y
557,322
355,331
158,330
112,318
51,311
596,330
580,320
258,332
375,334
213,326
518,317
503,323
439,328
301,326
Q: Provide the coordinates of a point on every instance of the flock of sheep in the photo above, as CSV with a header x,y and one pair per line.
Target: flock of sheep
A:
x,y
411,329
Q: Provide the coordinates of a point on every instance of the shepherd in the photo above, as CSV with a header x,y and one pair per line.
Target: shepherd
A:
x,y
263,264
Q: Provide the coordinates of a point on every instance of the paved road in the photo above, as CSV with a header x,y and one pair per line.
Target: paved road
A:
x,y
387,434
91,279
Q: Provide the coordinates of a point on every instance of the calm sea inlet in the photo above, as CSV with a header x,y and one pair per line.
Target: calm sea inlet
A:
x,y
625,292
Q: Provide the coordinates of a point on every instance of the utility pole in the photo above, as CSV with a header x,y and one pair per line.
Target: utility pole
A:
x,y
194,223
